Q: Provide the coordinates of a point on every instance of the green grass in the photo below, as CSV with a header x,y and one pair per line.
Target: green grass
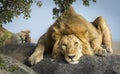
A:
x,y
13,68
2,63
4,36
4,66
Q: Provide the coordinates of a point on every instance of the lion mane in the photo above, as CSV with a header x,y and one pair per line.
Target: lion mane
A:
x,y
73,36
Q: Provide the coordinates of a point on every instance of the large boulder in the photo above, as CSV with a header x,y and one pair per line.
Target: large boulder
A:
x,y
87,65
19,51
11,66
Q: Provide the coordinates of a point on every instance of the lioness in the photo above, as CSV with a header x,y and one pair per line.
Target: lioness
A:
x,y
18,38
73,36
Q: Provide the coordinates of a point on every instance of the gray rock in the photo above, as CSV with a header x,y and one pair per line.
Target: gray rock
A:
x,y
18,51
11,66
87,65
2,71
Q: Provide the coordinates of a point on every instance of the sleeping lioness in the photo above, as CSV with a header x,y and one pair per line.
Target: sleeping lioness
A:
x,y
73,36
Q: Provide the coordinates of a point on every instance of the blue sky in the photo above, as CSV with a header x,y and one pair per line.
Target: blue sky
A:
x,y
41,18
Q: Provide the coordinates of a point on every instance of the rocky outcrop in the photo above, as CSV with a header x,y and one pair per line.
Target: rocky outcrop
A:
x,y
18,51
12,66
87,65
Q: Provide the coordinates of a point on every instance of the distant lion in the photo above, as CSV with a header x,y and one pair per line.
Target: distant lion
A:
x,y
73,37
25,36
18,38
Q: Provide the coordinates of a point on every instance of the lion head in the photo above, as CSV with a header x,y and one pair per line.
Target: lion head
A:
x,y
25,36
71,48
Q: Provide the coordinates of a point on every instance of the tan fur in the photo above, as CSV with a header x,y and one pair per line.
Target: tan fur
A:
x,y
70,46
18,38
25,37
94,39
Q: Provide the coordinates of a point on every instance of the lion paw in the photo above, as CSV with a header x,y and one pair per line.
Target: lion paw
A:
x,y
34,59
56,56
109,50
101,52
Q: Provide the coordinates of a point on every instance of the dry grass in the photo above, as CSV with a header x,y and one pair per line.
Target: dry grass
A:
x,y
116,47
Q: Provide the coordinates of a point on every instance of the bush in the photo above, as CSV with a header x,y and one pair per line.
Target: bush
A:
x,y
4,36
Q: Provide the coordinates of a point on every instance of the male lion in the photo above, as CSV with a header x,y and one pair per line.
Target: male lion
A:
x,y
73,36
70,47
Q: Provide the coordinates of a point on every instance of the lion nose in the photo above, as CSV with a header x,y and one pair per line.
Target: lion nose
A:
x,y
71,57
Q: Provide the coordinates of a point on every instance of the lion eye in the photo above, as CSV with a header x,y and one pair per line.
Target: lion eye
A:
x,y
64,47
76,43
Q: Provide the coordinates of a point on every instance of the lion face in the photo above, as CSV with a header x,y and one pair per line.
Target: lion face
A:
x,y
25,36
71,48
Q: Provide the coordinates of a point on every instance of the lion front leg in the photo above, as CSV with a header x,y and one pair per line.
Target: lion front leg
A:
x,y
104,31
107,37
37,56
98,50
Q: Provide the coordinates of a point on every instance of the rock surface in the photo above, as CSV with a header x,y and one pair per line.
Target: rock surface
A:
x,y
87,65
18,51
12,66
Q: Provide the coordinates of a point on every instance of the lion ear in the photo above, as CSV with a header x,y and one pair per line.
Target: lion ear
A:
x,y
26,31
55,36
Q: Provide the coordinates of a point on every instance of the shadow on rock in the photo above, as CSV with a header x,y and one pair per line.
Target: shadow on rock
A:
x,y
18,51
11,66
